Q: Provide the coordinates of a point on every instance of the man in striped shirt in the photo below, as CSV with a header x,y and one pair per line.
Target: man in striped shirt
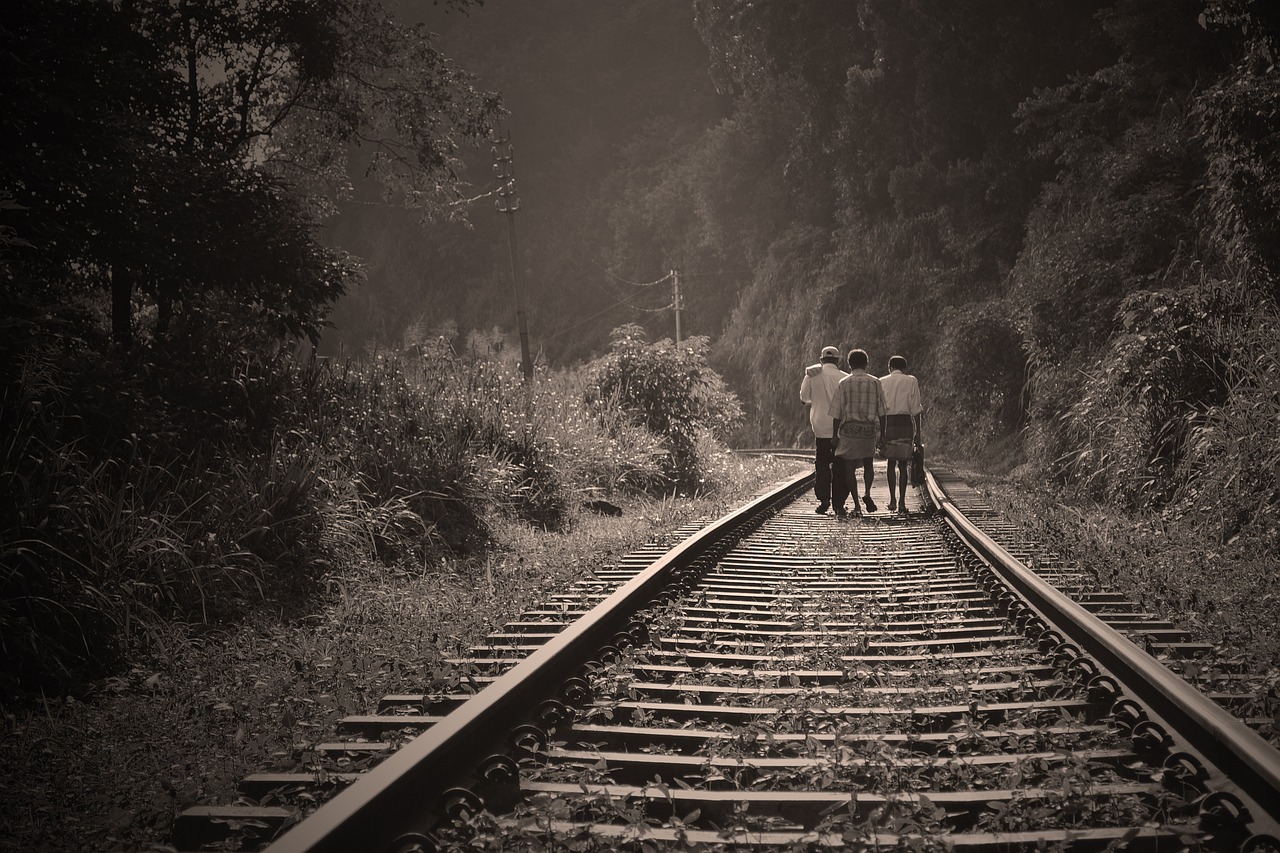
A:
x,y
856,410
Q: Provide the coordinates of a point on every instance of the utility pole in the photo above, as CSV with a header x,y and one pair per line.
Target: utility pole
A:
x,y
675,300
508,202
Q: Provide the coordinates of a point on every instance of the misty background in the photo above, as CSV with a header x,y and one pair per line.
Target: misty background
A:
x,y
601,97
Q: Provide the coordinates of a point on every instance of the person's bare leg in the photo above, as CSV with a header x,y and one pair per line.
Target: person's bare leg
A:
x,y
903,469
851,474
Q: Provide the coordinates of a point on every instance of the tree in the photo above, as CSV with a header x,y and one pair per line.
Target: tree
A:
x,y
166,166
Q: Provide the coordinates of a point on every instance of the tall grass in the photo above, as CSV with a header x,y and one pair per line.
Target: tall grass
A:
x,y
203,509
1182,392
1229,474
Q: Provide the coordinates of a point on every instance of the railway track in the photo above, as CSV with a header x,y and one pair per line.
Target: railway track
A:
x,y
781,680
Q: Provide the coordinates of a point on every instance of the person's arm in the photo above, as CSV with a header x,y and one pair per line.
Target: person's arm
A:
x,y
806,390
836,409
917,408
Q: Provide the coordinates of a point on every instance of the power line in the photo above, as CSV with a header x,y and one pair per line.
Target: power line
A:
x,y
598,314
617,277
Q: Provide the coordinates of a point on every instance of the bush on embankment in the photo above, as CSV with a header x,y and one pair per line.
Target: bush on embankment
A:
x,y
199,485
669,390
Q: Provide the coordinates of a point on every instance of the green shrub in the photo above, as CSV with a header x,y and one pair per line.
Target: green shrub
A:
x,y
668,389
599,449
1228,476
115,516
94,549
130,497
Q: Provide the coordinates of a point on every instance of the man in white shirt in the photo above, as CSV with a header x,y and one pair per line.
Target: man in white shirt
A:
x,y
819,383
901,427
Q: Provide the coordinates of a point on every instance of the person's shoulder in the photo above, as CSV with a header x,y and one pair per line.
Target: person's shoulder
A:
x,y
813,369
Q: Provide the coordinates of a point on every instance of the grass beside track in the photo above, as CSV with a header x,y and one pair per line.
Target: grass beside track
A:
x,y
1222,592
111,769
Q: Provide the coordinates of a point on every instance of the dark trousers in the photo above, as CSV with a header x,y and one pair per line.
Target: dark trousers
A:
x,y
829,485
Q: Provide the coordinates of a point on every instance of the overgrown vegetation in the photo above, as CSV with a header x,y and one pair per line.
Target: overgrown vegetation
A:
x,y
1220,590
168,453
287,466
108,768
1062,213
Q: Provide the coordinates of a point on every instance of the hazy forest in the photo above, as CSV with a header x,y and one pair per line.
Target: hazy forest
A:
x,y
1064,214
258,315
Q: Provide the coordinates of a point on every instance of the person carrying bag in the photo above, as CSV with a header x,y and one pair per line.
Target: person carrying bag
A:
x,y
902,443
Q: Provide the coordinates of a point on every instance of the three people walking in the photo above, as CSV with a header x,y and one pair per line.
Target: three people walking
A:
x,y
852,414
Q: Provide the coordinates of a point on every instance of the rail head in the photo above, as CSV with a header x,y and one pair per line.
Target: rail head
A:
x,y
1237,758
401,798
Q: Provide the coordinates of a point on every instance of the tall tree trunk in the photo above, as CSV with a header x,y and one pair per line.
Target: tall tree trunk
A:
x,y
121,306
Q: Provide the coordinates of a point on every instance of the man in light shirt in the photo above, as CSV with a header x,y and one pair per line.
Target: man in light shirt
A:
x,y
901,427
819,383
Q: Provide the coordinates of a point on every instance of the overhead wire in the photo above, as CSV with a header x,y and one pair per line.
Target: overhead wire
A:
x,y
599,313
617,277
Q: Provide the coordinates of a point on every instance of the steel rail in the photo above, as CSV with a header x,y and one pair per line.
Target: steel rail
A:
x,y
1237,758
397,805
400,798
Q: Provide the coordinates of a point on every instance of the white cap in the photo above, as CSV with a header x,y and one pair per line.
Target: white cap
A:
x,y
830,352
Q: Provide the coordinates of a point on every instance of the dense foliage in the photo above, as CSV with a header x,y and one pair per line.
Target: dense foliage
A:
x,y
177,172
1062,213
406,460
168,452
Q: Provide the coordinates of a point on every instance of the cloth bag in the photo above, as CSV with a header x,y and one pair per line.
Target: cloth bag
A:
x,y
917,465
